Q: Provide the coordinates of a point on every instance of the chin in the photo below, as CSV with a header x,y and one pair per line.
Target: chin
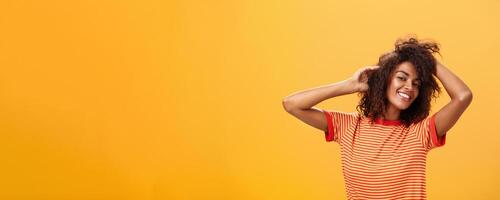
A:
x,y
404,107
401,108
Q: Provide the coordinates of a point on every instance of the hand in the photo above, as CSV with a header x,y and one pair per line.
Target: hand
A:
x,y
360,78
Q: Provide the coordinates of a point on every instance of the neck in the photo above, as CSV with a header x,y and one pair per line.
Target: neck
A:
x,y
392,113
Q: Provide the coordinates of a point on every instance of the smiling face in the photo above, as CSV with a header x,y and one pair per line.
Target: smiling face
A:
x,y
403,87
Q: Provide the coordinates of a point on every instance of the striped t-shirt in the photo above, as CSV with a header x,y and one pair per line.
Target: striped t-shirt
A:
x,y
384,160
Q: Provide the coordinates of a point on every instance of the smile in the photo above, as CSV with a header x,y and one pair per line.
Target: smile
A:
x,y
404,96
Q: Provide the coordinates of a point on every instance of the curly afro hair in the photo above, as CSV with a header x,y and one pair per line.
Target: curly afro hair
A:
x,y
374,102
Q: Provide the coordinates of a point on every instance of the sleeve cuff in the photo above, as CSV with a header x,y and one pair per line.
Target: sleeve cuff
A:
x,y
329,134
436,140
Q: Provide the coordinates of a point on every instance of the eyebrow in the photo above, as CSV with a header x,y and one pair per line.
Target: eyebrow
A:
x,y
404,73
407,74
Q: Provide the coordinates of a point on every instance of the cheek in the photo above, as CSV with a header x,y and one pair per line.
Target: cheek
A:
x,y
389,90
416,96
395,83
393,87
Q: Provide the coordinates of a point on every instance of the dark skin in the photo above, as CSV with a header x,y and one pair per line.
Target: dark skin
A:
x,y
460,95
300,104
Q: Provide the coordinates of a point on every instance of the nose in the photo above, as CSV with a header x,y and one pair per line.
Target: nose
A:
x,y
409,85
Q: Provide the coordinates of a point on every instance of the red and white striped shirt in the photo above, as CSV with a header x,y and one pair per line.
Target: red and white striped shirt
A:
x,y
384,160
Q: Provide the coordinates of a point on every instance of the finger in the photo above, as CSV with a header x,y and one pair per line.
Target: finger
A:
x,y
371,68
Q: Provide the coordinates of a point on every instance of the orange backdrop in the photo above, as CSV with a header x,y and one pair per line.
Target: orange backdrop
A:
x,y
182,99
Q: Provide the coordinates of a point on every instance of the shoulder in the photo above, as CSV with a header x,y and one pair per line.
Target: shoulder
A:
x,y
336,113
419,125
343,118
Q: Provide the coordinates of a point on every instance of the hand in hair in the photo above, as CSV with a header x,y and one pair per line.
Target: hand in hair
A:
x,y
360,78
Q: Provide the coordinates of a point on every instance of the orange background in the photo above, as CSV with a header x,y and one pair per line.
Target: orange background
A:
x,y
182,99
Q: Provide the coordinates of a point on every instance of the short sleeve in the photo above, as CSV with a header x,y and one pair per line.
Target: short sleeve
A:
x,y
338,123
427,134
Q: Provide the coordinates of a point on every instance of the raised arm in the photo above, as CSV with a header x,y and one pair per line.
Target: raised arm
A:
x,y
300,104
461,97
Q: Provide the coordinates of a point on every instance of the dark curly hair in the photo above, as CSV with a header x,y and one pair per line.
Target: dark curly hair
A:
x,y
374,102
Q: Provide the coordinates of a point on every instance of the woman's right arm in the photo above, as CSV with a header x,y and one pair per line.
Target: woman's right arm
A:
x,y
300,104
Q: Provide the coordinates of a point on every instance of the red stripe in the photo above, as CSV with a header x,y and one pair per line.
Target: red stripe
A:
x,y
437,141
329,134
384,160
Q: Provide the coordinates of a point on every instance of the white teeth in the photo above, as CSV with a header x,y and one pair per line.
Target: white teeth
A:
x,y
403,95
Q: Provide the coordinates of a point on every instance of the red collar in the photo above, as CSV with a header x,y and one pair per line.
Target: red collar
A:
x,y
387,122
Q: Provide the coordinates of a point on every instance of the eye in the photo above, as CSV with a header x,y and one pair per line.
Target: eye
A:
x,y
401,78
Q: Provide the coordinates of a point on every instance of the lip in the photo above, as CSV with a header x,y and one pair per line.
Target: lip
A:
x,y
405,99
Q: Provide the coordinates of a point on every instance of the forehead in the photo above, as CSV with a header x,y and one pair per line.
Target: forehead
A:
x,y
406,68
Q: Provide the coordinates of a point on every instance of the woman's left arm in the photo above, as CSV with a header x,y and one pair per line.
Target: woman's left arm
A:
x,y
461,97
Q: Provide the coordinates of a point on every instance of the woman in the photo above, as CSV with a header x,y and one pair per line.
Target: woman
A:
x,y
385,144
